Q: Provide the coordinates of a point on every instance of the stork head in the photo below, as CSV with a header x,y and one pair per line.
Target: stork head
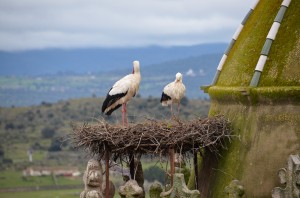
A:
x,y
178,77
136,67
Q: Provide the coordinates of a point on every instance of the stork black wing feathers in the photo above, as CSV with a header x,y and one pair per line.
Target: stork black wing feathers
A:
x,y
164,97
111,99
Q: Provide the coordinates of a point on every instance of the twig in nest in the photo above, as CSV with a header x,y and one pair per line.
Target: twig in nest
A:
x,y
152,136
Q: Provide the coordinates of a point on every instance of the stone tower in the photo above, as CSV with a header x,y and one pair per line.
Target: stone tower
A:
x,y
257,87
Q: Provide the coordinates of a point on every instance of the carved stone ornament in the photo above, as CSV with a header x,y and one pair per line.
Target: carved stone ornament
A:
x,y
290,178
92,179
180,189
235,189
155,190
131,189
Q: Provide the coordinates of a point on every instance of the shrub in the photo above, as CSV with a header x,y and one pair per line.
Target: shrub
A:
x,y
48,132
9,125
55,146
1,152
154,173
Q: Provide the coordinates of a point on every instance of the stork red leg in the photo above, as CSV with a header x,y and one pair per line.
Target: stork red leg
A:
x,y
124,115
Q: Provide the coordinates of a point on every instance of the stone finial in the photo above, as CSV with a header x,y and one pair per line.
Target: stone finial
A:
x,y
92,179
290,178
112,189
155,190
234,189
131,189
180,166
178,160
180,189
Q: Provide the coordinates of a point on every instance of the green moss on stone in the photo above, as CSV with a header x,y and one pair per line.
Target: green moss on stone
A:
x,y
155,190
265,136
255,96
282,66
265,119
241,62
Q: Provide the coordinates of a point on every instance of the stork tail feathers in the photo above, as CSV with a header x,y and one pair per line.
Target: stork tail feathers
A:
x,y
108,105
112,109
164,99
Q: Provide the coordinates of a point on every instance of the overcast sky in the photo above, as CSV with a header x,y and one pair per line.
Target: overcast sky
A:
x,y
38,24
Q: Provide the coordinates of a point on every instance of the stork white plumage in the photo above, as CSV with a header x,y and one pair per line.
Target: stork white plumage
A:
x,y
173,93
122,91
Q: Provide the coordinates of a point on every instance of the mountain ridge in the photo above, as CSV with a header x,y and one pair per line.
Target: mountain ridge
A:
x,y
52,61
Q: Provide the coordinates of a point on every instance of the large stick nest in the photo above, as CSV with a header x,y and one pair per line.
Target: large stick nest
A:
x,y
152,136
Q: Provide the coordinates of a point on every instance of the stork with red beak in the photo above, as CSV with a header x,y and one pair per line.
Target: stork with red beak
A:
x,y
122,91
173,93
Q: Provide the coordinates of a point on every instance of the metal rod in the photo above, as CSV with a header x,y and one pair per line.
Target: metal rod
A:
x,y
131,165
172,164
196,169
107,173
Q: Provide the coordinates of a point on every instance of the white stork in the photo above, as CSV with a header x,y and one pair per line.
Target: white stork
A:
x,y
122,91
173,93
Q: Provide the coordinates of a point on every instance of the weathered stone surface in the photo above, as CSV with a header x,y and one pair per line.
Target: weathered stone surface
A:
x,y
290,177
131,189
234,190
138,174
92,194
180,189
155,190
92,179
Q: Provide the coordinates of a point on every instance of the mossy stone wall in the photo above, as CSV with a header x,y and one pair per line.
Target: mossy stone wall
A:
x,y
265,136
265,119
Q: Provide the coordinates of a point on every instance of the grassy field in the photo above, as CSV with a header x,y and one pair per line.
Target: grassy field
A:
x,y
11,179
43,194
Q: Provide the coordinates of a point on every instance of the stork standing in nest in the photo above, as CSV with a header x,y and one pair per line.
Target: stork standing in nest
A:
x,y
122,91
173,93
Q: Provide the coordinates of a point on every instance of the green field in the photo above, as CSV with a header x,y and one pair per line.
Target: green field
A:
x,y
43,194
11,179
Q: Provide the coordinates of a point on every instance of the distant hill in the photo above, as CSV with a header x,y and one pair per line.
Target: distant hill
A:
x,y
32,90
197,71
40,128
53,61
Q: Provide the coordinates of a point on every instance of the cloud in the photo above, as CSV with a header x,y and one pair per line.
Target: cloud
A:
x,y
31,24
